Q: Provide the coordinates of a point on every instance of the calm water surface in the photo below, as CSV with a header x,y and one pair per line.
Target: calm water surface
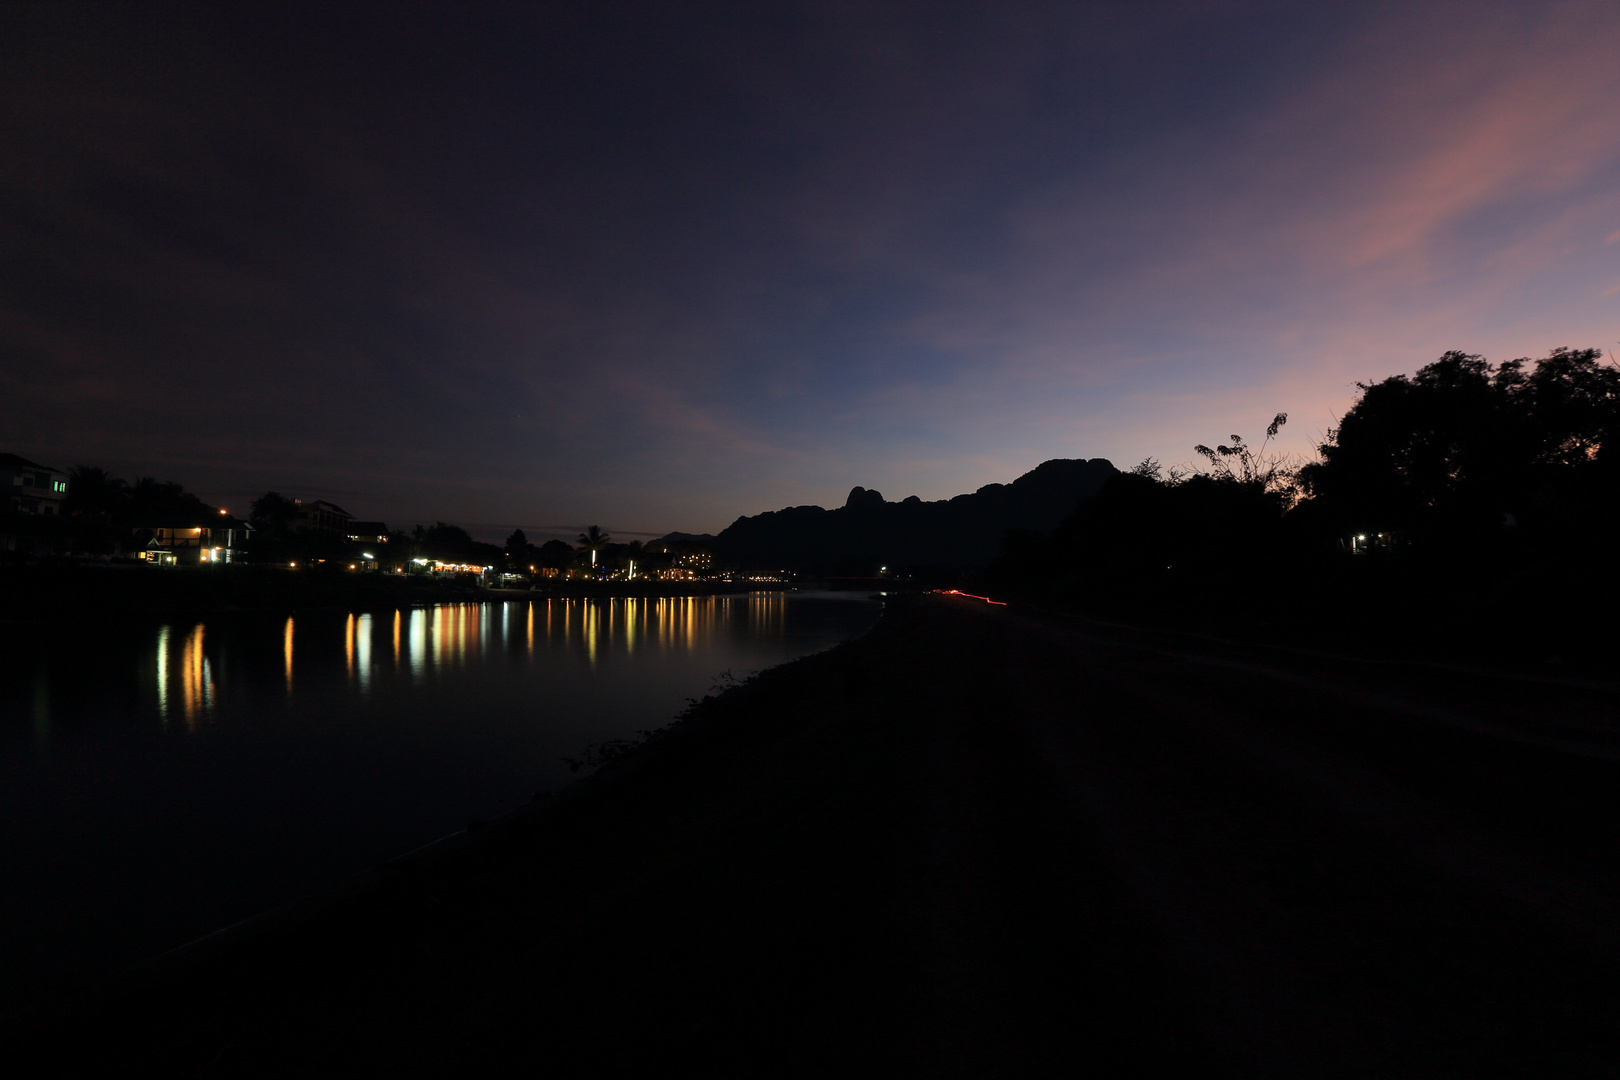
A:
x,y
157,783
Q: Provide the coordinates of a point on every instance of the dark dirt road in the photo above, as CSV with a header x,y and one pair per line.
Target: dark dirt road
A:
x,y
977,843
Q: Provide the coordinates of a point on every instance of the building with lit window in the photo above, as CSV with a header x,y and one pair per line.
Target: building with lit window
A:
x,y
321,514
366,532
201,539
31,487
687,559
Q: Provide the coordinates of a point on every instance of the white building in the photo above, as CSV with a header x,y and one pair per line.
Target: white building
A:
x,y
31,487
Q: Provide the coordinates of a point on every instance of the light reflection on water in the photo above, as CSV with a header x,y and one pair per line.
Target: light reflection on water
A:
x,y
158,782
185,676
452,635
286,651
413,642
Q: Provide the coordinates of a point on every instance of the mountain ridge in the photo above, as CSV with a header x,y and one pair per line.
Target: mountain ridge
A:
x,y
869,531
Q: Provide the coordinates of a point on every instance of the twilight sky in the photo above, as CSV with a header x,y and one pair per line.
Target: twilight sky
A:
x,y
656,265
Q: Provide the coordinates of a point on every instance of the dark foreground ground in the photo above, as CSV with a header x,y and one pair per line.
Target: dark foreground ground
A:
x,y
976,843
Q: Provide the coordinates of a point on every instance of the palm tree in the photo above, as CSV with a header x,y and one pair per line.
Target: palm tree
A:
x,y
93,490
594,540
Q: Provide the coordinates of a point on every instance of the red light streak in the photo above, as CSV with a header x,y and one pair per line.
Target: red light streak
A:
x,y
970,596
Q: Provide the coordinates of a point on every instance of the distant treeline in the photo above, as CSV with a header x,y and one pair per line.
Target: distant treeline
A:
x,y
1471,508
105,515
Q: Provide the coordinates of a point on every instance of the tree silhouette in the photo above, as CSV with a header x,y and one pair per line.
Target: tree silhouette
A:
x,y
1465,448
151,497
93,490
273,514
446,539
516,551
1242,463
555,554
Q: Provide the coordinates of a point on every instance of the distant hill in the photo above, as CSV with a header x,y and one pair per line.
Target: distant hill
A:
x,y
706,539
867,531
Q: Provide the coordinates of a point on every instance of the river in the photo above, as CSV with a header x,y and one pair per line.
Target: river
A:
x,y
158,782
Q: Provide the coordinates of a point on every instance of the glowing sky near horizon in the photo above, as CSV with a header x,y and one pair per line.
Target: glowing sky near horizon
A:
x,y
656,266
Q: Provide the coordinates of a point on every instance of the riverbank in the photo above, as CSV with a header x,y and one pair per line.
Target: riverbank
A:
x,y
651,589
132,590
974,842
127,590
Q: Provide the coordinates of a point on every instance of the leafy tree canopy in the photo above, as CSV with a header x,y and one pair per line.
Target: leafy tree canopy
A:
x,y
556,554
273,513
446,539
94,490
151,499
1463,445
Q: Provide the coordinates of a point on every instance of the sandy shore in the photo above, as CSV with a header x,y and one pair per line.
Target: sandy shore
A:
x,y
973,843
